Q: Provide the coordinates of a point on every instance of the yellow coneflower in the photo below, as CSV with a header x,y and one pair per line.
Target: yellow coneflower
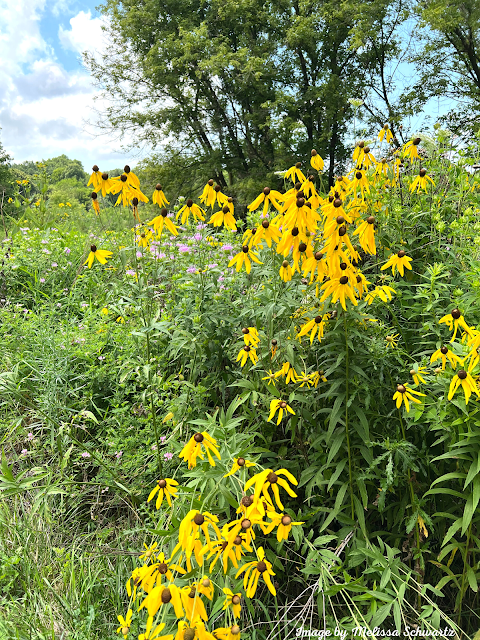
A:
x,y
410,149
442,354
244,258
269,479
316,161
420,181
239,463
232,600
125,623
250,336
288,371
340,289
295,173
143,239
132,179
392,341
208,195
104,185
267,197
366,235
417,375
464,379
190,208
385,133
254,570
193,449
95,179
314,325
95,204
454,321
404,394
167,488
286,272
161,596
159,221
158,196
384,292
100,254
398,261
283,522
247,352
227,633
224,217
193,604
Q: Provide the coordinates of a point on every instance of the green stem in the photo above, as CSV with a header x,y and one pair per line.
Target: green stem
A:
x,y
350,474
412,499
465,563
152,407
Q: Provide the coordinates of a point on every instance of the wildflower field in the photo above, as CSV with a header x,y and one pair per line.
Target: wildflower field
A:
x,y
222,421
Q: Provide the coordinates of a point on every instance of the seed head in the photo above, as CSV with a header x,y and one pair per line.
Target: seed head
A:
x,y
298,165
300,202
318,255
313,153
126,168
241,462
266,190
135,202
93,195
343,280
237,540
217,188
235,629
272,477
93,248
246,348
265,224
163,568
337,203
199,519
274,341
401,253
456,313
371,219
166,595
247,501
189,634
401,388
246,524
261,566
189,203
417,141
318,319
198,437
123,177
164,213
422,173
342,230
286,520
302,247
340,219
162,484
358,175
95,168
245,331
462,374
206,582
444,350
104,176
235,600
245,248
295,232
210,182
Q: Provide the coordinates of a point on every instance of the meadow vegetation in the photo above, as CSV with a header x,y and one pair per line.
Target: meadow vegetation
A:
x,y
227,422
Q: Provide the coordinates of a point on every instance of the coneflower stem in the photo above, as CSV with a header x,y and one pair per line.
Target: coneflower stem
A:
x,y
350,474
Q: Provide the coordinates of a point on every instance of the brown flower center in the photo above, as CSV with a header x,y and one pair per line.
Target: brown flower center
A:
x,y
199,519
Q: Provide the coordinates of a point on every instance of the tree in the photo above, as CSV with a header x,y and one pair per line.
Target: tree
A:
x,y
243,88
450,59
5,171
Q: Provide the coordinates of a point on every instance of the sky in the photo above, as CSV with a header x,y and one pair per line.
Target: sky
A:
x,y
45,94
46,106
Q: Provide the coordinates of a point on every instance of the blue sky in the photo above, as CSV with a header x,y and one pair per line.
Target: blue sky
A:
x,y
46,96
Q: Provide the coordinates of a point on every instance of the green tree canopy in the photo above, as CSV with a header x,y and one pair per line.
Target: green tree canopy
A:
x,y
243,87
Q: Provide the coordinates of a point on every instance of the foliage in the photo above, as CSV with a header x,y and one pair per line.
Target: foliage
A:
x,y
109,371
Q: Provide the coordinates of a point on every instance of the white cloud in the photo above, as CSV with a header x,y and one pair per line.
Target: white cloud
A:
x,y
85,33
43,107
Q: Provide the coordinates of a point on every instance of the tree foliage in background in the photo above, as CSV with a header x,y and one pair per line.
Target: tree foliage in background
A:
x,y
450,59
242,88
